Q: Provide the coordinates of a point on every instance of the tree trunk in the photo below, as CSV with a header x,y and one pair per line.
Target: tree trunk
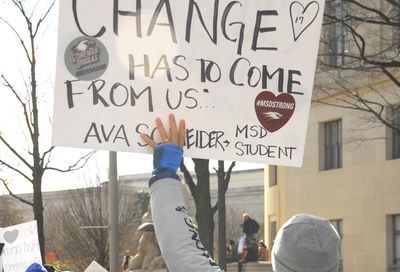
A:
x,y
38,213
204,214
33,159
37,166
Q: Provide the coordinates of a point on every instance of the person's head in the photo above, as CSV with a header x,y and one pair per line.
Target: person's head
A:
x,y
230,246
246,217
35,267
306,243
253,241
262,244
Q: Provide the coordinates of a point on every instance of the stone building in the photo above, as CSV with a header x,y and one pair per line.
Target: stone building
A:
x,y
245,194
356,186
351,169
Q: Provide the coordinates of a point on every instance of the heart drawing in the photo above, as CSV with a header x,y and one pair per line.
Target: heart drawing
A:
x,y
10,236
302,17
272,111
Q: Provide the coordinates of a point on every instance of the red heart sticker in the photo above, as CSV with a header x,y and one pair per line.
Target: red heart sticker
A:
x,y
272,111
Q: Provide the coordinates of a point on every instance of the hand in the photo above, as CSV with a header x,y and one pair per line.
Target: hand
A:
x,y
168,154
176,135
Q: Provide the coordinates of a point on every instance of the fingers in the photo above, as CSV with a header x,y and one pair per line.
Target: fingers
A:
x,y
148,140
182,133
161,130
173,137
176,134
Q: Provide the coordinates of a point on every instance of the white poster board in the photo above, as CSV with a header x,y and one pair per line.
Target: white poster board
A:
x,y
21,247
95,267
240,72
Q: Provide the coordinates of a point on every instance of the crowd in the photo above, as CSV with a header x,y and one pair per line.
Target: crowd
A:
x,y
246,249
304,243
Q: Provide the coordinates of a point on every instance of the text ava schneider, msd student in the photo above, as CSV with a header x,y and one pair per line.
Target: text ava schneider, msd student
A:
x,y
305,243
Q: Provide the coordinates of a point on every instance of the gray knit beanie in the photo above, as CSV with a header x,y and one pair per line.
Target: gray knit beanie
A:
x,y
306,243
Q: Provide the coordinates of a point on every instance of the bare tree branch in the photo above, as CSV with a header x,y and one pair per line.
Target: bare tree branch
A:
x,y
367,109
362,6
13,195
228,175
40,161
43,18
15,152
394,3
27,18
46,154
15,169
369,55
24,105
392,77
19,38
88,207
188,178
349,22
80,163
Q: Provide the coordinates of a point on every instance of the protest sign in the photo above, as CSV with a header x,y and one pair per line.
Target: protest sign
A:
x,y
21,247
95,267
240,72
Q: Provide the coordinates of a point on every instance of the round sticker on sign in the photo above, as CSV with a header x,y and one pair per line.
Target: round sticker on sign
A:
x,y
272,111
86,58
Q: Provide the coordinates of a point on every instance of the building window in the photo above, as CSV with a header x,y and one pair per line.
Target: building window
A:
x,y
273,175
396,239
393,242
338,225
393,138
338,34
396,19
396,134
395,144
333,145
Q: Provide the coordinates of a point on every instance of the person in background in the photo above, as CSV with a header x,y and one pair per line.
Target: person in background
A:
x,y
250,227
304,243
251,251
232,252
263,253
230,247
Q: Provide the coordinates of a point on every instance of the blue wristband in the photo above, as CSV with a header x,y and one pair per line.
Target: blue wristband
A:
x,y
167,157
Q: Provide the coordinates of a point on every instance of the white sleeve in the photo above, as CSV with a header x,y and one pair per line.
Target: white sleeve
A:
x,y
178,239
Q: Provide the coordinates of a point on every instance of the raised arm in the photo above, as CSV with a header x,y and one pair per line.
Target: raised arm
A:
x,y
178,239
